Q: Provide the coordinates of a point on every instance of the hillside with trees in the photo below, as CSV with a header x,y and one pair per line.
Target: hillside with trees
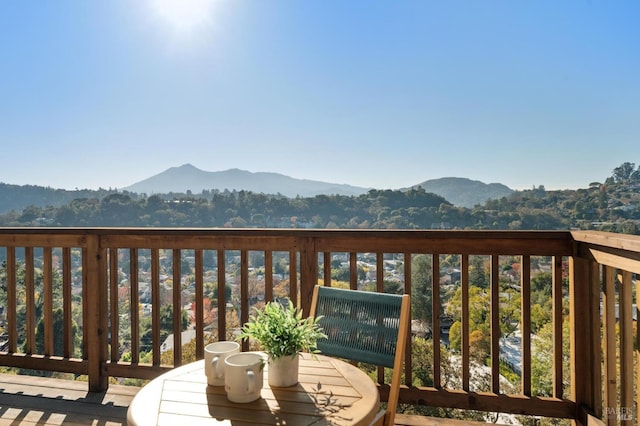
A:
x,y
613,205
16,197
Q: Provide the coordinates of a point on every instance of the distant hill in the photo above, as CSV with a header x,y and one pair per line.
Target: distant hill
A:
x,y
19,197
189,178
462,192
612,206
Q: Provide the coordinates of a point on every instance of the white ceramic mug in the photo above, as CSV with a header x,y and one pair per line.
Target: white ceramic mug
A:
x,y
243,376
214,356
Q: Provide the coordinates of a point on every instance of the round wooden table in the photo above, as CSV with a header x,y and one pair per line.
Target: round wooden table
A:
x,y
329,392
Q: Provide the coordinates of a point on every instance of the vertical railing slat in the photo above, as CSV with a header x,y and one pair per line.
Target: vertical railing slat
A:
x,y
308,272
408,370
244,290
626,348
637,339
581,331
435,319
609,341
327,268
96,306
495,324
155,306
380,289
293,278
67,308
12,328
353,271
595,336
177,307
464,332
525,322
134,305
199,302
380,272
101,307
557,326
114,303
47,290
84,304
268,276
222,298
30,346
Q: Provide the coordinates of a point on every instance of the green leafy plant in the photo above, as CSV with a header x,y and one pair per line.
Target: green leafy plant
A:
x,y
282,331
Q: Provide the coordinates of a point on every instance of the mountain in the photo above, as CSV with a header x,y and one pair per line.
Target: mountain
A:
x,y
189,178
462,192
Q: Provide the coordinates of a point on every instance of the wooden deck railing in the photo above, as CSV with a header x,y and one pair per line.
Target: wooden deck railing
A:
x,y
108,280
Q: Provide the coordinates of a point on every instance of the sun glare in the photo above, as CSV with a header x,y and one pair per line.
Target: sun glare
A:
x,y
184,16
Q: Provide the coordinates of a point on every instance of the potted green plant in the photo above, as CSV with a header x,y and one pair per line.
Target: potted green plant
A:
x,y
282,333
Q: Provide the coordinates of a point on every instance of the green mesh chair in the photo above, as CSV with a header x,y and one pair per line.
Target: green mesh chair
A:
x,y
365,327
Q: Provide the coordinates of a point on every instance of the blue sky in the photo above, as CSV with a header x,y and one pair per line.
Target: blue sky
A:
x,y
382,94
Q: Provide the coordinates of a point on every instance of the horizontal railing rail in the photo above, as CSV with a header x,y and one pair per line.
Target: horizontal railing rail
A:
x,y
134,302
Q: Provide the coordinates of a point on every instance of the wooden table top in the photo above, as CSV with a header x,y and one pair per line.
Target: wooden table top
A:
x,y
329,392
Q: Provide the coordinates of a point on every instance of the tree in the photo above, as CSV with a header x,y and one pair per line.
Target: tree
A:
x,y
509,312
479,323
166,326
422,361
211,289
542,360
166,318
58,335
479,346
623,172
478,275
479,303
208,313
58,341
340,274
455,336
540,316
421,296
542,282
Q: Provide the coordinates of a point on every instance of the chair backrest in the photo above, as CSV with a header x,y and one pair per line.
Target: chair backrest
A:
x,y
366,327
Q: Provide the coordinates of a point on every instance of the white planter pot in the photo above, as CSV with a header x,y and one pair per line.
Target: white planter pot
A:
x,y
283,371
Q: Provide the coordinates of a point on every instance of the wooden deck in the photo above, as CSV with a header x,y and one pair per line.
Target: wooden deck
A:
x,y
591,272
28,400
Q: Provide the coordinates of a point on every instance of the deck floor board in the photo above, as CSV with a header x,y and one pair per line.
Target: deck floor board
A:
x,y
31,401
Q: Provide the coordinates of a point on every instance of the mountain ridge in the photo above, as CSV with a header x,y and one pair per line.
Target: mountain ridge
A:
x,y
190,178
461,192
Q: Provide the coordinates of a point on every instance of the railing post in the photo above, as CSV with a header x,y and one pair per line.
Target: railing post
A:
x,y
95,329
308,272
584,299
